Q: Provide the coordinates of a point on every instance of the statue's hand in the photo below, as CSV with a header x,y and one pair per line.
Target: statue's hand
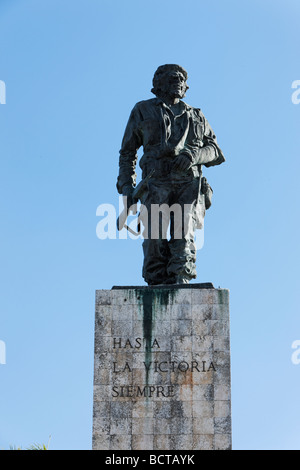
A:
x,y
204,185
128,192
182,162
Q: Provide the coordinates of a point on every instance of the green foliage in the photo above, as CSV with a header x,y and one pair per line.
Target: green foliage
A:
x,y
38,447
33,447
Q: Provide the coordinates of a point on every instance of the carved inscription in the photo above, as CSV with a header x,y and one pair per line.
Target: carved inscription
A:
x,y
155,366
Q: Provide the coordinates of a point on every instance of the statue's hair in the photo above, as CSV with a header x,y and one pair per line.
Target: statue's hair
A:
x,y
160,73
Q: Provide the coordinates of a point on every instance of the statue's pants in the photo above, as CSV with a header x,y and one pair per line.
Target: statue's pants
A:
x,y
169,219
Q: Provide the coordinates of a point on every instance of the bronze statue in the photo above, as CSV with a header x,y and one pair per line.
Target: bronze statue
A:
x,y
177,140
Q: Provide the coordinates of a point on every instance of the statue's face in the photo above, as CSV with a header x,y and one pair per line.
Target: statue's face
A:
x,y
174,84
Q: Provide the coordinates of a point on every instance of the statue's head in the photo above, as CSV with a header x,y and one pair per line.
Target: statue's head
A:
x,y
170,80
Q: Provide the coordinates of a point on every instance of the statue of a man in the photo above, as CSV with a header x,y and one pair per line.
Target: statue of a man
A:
x,y
177,140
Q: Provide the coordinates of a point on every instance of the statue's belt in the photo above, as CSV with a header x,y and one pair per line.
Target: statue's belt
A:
x,y
163,167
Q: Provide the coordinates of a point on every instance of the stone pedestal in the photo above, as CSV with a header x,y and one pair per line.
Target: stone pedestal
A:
x,y
162,369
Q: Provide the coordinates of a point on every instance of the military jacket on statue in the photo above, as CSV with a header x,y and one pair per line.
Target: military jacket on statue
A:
x,y
163,135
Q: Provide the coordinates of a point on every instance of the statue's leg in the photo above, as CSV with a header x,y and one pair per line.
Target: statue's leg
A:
x,y
156,256
182,263
155,223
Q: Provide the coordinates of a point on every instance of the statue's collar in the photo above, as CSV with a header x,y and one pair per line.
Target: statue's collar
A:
x,y
185,107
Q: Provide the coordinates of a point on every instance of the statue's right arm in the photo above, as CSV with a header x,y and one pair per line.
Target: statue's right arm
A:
x,y
131,142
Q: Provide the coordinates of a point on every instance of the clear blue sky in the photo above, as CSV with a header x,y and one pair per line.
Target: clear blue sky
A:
x,y
73,71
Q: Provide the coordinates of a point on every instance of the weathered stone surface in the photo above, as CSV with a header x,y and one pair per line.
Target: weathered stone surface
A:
x,y
162,369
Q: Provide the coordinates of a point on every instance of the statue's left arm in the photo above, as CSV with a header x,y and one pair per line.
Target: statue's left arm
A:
x,y
205,150
210,154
